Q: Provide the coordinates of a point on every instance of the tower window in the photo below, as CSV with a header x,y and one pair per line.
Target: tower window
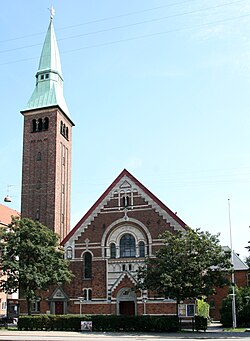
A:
x,y
127,246
33,125
40,124
42,77
38,156
47,76
37,215
46,123
87,263
64,130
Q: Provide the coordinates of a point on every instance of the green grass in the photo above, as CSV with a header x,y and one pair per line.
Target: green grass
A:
x,y
235,329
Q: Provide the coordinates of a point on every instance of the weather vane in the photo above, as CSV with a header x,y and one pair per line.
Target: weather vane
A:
x,y
52,12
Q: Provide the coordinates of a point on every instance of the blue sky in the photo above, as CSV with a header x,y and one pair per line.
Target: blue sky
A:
x,y
160,87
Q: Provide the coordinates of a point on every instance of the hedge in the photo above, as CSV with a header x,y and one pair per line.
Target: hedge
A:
x,y
100,323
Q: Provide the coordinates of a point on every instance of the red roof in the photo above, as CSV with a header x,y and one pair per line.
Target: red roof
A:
x,y
6,213
121,175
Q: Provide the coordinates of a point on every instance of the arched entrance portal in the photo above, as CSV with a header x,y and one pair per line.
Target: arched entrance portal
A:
x,y
126,302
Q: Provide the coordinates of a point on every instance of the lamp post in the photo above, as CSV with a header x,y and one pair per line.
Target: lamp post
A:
x,y
233,278
81,300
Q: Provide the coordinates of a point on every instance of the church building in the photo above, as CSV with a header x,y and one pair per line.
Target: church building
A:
x,y
113,239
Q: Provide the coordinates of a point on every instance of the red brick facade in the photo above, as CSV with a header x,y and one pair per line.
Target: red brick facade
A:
x,y
46,174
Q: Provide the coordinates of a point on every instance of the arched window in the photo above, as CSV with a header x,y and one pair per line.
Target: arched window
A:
x,y
40,124
87,263
141,249
33,125
85,294
69,252
125,201
112,250
127,246
46,123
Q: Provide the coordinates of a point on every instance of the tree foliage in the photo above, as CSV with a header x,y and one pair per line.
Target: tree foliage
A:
x,y
31,258
242,308
189,265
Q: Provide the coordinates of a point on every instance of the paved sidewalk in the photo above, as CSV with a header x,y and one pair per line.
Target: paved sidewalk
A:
x,y
214,331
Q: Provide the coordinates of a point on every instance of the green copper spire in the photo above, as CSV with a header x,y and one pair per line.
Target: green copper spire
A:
x,y
49,82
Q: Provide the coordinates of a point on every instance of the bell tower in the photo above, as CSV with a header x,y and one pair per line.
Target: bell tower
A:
x,y
47,142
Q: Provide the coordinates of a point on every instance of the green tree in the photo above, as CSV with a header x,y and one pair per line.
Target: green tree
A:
x,y
242,308
189,265
31,258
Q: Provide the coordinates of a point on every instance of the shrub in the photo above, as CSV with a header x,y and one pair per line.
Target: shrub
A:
x,y
100,323
200,323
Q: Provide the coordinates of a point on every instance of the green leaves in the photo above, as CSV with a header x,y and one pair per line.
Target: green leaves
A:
x,y
31,258
189,265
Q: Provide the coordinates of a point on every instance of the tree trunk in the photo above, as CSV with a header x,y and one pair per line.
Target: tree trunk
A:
x,y
28,306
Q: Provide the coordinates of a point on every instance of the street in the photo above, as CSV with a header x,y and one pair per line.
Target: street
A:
x,y
9,335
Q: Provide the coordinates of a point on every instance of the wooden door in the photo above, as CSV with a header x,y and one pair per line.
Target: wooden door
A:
x,y
59,308
127,308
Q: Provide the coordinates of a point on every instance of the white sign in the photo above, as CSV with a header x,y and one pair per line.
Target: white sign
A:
x,y
86,326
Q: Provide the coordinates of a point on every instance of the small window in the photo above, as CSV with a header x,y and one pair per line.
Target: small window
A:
x,y
123,267
125,201
87,294
38,184
47,76
87,263
46,123
33,125
141,249
130,267
42,77
112,250
69,252
40,124
38,156
67,133
37,215
35,306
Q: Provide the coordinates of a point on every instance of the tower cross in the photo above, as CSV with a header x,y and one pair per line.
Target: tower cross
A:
x,y
52,12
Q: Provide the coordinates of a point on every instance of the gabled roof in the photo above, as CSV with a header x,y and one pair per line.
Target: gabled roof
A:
x,y
6,213
238,264
172,217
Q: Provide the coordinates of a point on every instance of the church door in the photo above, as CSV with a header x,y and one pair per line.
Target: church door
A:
x,y
127,308
59,308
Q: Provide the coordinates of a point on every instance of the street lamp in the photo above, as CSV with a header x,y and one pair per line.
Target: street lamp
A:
x,y
233,279
81,300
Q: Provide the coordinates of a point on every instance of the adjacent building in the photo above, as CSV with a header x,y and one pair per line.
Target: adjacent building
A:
x,y
8,303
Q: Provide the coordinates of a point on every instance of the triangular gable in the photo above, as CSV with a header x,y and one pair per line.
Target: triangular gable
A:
x,y
125,178
58,294
121,278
